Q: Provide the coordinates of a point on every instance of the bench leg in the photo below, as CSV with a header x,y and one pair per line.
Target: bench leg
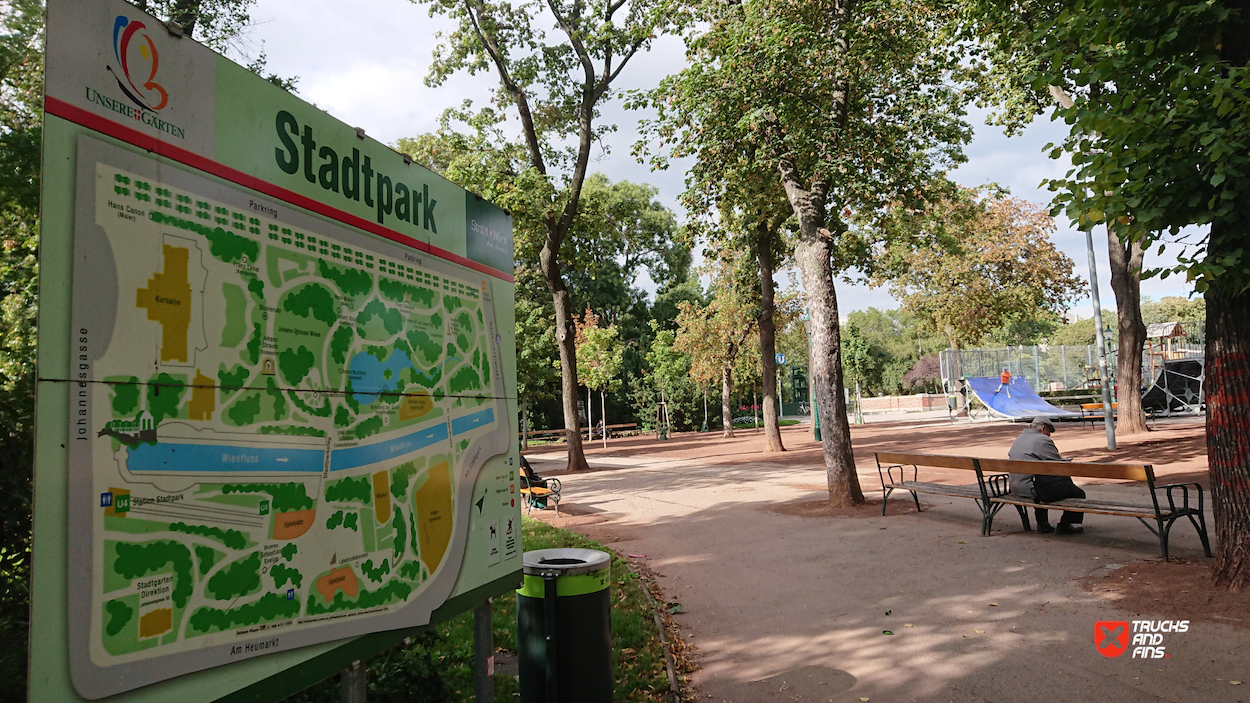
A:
x,y
886,496
557,502
1201,526
1024,517
916,497
1164,527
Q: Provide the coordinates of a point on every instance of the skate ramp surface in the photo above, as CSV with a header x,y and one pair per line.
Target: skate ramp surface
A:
x,y
1023,402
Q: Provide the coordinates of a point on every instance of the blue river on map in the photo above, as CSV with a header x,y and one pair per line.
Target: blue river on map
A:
x,y
209,458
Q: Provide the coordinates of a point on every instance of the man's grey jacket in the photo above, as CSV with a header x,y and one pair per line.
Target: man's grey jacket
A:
x,y
1031,445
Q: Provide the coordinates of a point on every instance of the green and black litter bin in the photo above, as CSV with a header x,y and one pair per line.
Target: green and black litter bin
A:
x,y
564,627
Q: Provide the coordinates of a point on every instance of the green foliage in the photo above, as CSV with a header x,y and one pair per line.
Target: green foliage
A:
x,y
282,575
350,490
401,534
136,560
369,427
1157,117
238,579
207,556
288,552
392,319
253,344
295,364
119,615
340,343
244,411
287,497
233,539
233,379
401,476
398,292
314,299
126,397
267,608
165,395
464,379
295,430
352,281
230,247
376,573
395,590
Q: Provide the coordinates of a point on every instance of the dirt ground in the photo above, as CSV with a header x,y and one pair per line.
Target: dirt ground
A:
x,y
785,599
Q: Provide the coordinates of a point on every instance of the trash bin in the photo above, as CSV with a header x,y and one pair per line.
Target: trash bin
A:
x,y
564,627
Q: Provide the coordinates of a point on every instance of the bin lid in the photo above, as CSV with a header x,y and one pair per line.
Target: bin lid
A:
x,y
565,562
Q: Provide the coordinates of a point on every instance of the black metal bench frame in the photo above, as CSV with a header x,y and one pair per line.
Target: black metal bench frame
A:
x,y
994,491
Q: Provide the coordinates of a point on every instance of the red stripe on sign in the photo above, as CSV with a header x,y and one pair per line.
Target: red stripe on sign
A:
x,y
92,121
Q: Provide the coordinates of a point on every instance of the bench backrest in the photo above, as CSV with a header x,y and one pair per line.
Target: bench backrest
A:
x,y
935,460
1098,406
1124,472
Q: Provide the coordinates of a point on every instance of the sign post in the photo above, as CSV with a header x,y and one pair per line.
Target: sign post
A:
x,y
277,386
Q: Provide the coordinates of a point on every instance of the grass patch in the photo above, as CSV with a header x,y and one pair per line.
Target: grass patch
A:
x,y
750,424
438,665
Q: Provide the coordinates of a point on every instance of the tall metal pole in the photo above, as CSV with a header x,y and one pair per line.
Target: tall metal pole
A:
x,y
352,683
483,654
1107,410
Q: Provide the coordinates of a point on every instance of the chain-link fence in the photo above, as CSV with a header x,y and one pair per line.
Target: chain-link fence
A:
x,y
1054,367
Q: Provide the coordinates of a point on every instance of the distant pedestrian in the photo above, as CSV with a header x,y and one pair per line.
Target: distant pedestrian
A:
x,y
1004,379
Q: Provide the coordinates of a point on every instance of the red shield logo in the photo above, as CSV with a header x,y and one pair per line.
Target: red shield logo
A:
x,y
1111,637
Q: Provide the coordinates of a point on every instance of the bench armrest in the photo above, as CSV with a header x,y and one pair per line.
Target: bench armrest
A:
x,y
998,485
902,474
553,485
1171,488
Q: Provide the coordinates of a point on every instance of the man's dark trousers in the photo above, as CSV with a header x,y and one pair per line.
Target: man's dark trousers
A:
x,y
1048,489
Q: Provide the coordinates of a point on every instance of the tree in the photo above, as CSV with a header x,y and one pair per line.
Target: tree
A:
x,y
599,359
1167,95
535,348
557,90
853,106
856,363
986,262
715,335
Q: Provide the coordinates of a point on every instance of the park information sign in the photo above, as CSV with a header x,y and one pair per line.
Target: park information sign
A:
x,y
277,378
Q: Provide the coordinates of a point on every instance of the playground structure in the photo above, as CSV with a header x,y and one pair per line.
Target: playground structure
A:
x,y
1015,401
1172,373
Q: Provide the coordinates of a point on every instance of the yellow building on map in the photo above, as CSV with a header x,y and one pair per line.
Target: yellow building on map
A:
x,y
168,301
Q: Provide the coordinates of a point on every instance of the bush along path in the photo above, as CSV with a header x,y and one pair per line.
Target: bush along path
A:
x,y
437,666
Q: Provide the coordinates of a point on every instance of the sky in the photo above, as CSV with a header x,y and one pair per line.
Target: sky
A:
x,y
365,62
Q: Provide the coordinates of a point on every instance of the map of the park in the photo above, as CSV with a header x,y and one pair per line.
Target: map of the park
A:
x,y
280,419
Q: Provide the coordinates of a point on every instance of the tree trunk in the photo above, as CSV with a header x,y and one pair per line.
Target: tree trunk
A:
x,y
768,338
1228,415
727,418
1126,264
603,408
812,254
567,344
590,415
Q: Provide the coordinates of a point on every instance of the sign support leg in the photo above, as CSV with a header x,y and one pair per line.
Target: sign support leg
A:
x,y
483,654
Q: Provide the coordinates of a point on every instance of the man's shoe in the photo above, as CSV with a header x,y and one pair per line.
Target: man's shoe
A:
x,y
1045,528
1066,529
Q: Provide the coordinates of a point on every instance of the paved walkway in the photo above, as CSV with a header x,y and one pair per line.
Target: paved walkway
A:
x,y
786,602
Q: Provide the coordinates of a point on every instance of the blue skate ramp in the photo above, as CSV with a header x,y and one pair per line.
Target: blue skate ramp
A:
x,y
1024,402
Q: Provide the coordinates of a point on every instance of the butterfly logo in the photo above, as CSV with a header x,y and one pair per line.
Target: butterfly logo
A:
x,y
138,62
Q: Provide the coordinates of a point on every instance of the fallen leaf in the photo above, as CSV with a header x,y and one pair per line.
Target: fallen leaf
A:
x,y
993,605
887,632
909,625
863,698
888,612
637,556
1234,683
961,543
978,632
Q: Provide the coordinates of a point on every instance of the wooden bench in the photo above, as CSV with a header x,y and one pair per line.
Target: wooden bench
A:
x,y
1168,502
534,489
892,469
1093,411
1164,514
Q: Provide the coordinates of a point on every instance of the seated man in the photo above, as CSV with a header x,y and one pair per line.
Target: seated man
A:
x,y
1035,444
